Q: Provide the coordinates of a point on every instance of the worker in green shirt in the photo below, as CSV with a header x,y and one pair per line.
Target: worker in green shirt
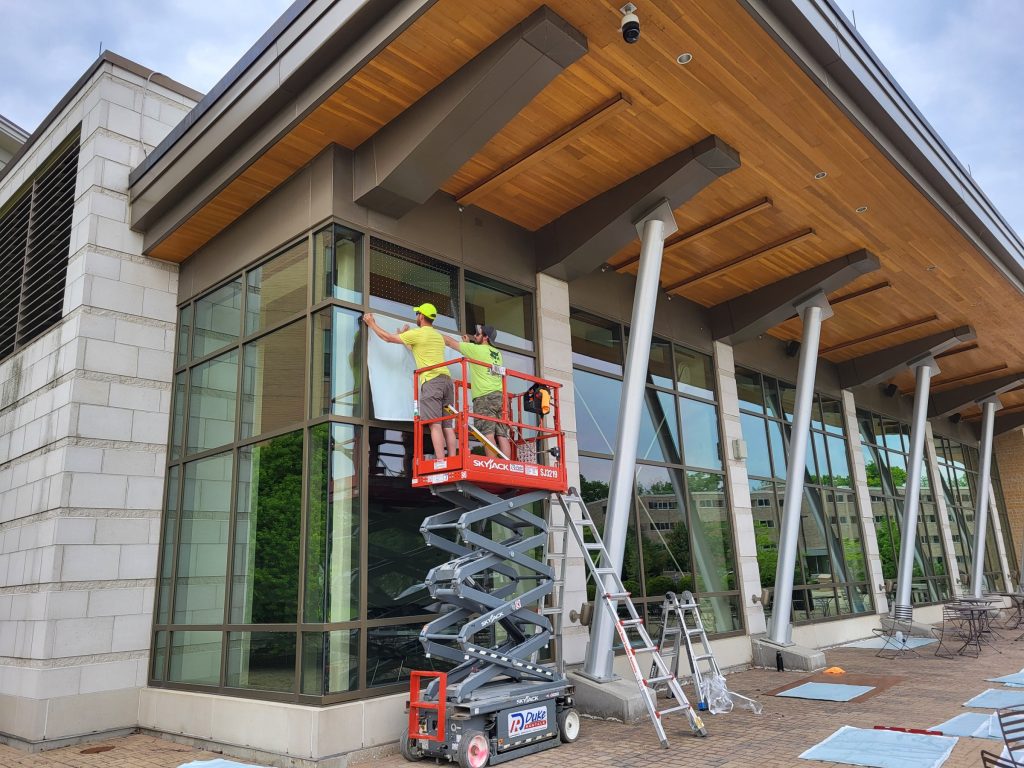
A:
x,y
437,392
484,384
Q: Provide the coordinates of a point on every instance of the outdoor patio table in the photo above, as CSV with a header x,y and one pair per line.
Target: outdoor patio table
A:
x,y
975,614
1017,604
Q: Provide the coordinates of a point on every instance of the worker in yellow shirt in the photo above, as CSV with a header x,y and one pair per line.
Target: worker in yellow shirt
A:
x,y
485,384
436,389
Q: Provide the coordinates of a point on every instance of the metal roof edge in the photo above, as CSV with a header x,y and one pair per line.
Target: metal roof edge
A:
x,y
267,39
819,37
13,130
104,57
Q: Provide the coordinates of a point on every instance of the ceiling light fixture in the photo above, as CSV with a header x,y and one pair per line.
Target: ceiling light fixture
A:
x,y
684,58
820,175
930,268
862,209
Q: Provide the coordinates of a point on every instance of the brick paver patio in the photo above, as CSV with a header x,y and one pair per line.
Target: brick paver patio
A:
x,y
933,691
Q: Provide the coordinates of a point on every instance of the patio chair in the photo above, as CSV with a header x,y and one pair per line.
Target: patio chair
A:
x,y
1011,723
955,628
989,760
895,636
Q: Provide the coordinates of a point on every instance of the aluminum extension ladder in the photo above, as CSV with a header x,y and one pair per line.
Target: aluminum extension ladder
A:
x,y
681,623
632,633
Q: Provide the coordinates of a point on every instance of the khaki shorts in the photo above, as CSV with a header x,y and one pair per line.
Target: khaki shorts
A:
x,y
434,396
489,405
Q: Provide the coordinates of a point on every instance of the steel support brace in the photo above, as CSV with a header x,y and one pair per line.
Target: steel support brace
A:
x,y
813,312
653,227
924,370
988,416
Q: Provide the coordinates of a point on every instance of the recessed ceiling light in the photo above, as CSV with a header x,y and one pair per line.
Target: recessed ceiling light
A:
x,y
820,175
931,268
862,209
684,58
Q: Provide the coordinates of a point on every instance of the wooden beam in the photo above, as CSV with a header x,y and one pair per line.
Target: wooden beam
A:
x,y
938,384
530,159
876,367
739,261
1001,412
861,292
706,229
944,403
878,334
957,351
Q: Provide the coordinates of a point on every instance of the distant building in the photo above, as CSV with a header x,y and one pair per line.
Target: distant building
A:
x,y
11,139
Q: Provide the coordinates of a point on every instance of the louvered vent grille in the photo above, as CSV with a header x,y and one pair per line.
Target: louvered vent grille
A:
x,y
35,234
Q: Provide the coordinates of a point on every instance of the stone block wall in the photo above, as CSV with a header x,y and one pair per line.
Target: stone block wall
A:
x,y
83,435
1008,449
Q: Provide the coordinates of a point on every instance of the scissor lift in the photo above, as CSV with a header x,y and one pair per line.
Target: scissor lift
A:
x,y
500,701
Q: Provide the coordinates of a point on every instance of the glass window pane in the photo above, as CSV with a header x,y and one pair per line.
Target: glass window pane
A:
x,y
759,462
195,658
773,401
332,554
178,415
596,343
871,466
337,363
211,402
720,613
664,534
701,446
521,363
659,366
398,557
816,450
840,464
597,411
272,380
159,659
779,458
203,552
748,387
277,290
508,309
263,661
218,319
832,415
265,588
695,374
401,279
659,433
330,662
337,264
712,533
184,327
765,510
392,652
167,536
787,396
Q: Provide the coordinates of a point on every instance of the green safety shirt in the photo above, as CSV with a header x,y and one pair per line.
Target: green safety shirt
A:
x,y
481,380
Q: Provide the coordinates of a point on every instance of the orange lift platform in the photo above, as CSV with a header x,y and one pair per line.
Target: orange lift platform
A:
x,y
537,449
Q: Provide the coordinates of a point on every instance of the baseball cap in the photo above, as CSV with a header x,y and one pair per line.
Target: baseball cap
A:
x,y
487,330
426,309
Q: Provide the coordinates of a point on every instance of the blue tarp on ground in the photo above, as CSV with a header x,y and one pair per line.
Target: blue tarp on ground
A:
x,y
878,642
827,691
882,749
1016,680
974,724
997,698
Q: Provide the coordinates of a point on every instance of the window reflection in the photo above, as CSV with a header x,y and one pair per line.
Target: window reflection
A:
x,y
508,309
218,319
830,574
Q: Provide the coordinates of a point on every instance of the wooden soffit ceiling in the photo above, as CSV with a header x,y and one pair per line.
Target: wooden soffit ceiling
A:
x,y
623,108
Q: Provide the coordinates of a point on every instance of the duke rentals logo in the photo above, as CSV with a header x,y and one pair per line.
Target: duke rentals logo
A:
x,y
527,721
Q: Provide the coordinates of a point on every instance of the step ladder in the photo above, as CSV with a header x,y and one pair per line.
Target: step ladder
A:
x,y
633,635
682,625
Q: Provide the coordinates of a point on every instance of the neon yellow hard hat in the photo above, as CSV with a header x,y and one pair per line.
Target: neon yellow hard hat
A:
x,y
426,309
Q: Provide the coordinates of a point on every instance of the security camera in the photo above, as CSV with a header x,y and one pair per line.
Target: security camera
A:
x,y
630,24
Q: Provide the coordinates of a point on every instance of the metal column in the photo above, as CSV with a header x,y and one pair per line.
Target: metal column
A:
x,y
812,311
988,416
653,227
924,371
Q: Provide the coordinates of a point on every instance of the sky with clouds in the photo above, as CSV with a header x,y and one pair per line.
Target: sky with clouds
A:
x,y
959,61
